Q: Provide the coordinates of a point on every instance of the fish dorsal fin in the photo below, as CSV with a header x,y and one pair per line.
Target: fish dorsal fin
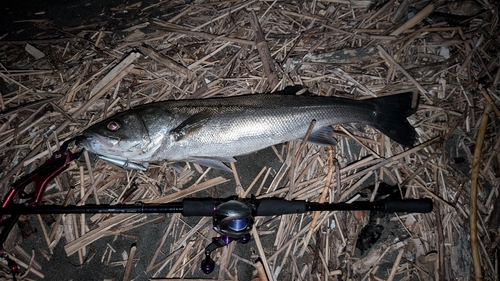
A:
x,y
213,162
323,136
191,125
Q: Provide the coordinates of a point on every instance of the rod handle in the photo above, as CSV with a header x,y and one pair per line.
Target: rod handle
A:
x,y
408,206
265,207
198,207
278,206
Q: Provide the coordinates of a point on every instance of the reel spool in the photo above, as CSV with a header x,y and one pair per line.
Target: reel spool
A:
x,y
233,218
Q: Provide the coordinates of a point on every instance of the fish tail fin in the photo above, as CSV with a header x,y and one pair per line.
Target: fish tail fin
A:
x,y
391,113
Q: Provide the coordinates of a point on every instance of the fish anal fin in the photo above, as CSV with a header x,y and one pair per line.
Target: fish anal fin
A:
x,y
191,125
322,136
290,90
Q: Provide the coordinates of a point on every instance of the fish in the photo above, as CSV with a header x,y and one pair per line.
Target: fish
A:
x,y
215,130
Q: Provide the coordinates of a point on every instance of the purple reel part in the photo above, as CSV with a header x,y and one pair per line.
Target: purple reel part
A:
x,y
234,221
208,264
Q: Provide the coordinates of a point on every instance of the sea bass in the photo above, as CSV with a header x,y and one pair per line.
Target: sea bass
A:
x,y
212,131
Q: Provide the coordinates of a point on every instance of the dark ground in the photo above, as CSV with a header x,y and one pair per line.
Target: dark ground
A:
x,y
147,238
25,20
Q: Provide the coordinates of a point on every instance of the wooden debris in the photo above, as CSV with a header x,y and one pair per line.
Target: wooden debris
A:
x,y
27,267
473,196
54,86
37,54
264,52
422,14
260,270
130,260
262,255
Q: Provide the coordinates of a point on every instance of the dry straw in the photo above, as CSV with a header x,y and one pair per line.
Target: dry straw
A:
x,y
354,49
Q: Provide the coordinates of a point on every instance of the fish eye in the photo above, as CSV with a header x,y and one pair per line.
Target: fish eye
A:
x,y
113,125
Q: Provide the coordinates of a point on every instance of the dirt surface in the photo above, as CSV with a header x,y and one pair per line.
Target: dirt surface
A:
x,y
316,44
26,20
147,239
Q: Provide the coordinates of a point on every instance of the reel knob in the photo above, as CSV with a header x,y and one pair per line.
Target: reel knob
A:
x,y
207,265
234,221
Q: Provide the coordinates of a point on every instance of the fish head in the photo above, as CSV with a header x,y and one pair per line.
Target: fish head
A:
x,y
123,136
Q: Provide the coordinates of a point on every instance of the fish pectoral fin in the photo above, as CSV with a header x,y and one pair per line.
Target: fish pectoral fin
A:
x,y
213,162
177,167
191,125
322,136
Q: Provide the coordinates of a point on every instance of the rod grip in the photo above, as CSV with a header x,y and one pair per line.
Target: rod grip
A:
x,y
198,207
408,206
277,206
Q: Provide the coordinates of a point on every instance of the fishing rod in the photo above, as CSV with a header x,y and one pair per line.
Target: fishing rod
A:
x,y
232,218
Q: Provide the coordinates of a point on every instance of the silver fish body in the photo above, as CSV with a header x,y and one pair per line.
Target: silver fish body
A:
x,y
212,131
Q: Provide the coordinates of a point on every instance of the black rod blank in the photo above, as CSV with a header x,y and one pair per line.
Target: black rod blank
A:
x,y
206,207
137,208
386,206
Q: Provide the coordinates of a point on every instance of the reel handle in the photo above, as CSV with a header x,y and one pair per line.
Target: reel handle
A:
x,y
207,265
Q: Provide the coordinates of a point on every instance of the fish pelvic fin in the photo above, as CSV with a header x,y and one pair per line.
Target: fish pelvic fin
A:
x,y
191,125
390,117
213,162
293,90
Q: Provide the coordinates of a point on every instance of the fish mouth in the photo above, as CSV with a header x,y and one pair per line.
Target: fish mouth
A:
x,y
81,141
85,142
